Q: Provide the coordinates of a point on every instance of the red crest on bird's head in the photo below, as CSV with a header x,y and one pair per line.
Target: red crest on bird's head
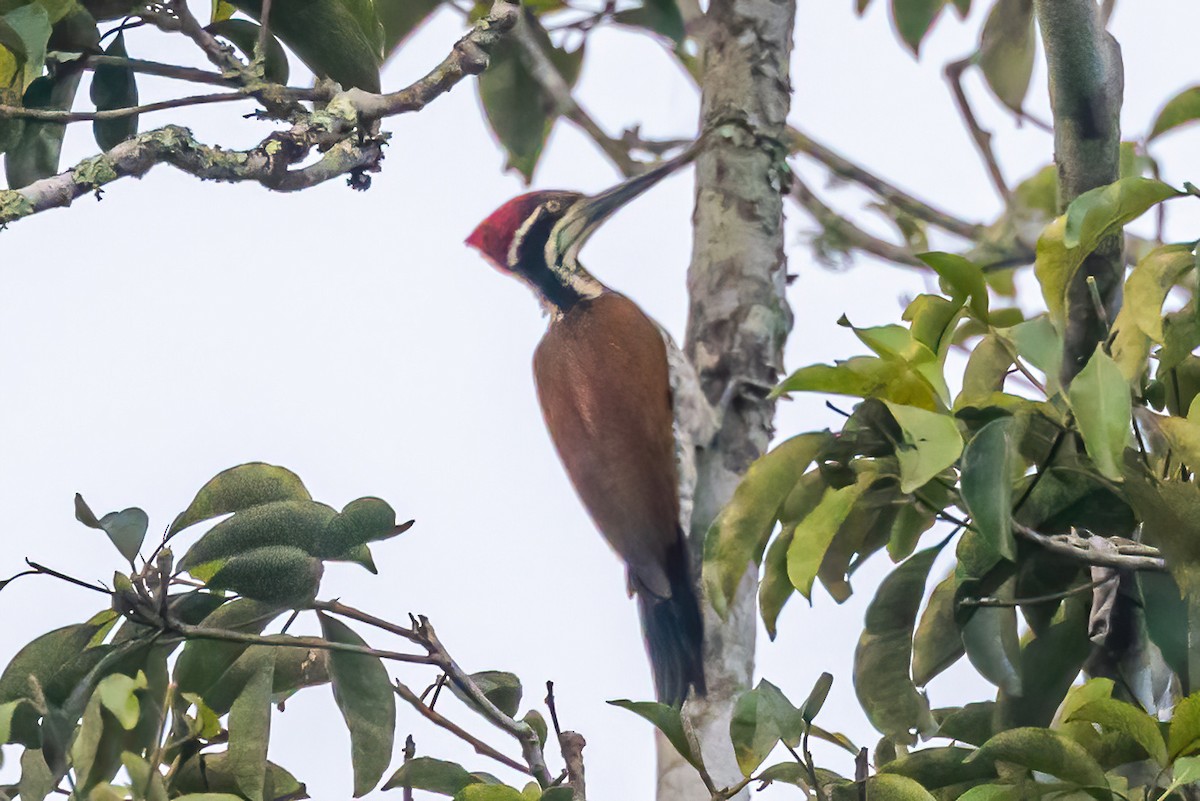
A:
x,y
493,237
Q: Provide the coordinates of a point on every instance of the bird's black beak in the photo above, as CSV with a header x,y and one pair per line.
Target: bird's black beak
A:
x,y
588,214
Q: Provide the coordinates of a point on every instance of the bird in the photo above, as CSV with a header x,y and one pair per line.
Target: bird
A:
x,y
603,384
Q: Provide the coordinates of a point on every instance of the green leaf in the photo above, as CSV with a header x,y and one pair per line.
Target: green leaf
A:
x,y
914,18
364,695
972,724
1046,751
517,112
1090,218
775,588
35,154
250,724
203,664
814,534
1186,770
114,87
296,524
337,39
864,377
1182,109
993,792
881,660
987,476
361,521
660,16
1099,397
932,443
963,277
1148,284
1049,663
888,787
401,18
37,780
211,773
500,687
1007,47
117,695
244,35
989,633
1037,341
761,718
816,697
27,28
1183,734
147,781
126,529
276,574
1127,719
240,488
740,532
431,775
667,720
937,643
488,792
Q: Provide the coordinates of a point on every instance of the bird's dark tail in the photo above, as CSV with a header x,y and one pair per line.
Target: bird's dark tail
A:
x,y
674,631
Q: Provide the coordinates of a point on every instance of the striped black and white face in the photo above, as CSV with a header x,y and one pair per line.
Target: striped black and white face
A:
x,y
515,237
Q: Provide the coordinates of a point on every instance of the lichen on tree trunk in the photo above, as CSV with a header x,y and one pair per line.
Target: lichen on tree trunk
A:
x,y
737,325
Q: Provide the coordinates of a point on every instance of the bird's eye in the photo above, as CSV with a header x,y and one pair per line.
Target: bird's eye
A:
x,y
553,206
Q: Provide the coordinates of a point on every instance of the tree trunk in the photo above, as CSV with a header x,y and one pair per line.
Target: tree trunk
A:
x,y
738,322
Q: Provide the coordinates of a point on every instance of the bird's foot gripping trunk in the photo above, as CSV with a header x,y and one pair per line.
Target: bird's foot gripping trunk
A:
x,y
674,630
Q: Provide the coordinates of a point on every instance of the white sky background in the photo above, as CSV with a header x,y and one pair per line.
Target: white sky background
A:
x,y
178,328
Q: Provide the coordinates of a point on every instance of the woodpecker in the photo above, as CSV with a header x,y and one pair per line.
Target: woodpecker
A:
x,y
603,385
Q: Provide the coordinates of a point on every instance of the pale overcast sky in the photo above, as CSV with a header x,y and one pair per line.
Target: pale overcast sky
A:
x,y
178,328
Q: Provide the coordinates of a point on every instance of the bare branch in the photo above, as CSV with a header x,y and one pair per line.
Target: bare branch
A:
x,y
481,748
531,746
1129,556
981,138
224,635
849,234
156,68
51,115
572,744
844,168
339,608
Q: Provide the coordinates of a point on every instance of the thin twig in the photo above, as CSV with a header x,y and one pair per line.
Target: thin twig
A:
x,y
410,751
50,115
847,233
481,748
338,608
802,143
156,68
64,577
204,633
981,138
1073,546
1037,599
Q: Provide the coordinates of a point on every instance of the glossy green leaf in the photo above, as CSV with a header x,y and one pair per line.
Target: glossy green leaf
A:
x,y
202,665
1007,47
431,775
114,87
364,695
240,488
882,679
914,18
1183,734
1148,284
741,530
937,643
1182,109
244,35
813,535
932,443
126,529
1046,751
1127,719
517,112
117,694
761,718
660,16
500,687
1038,342
1090,218
987,481
993,792
986,371
1099,397
667,720
864,377
250,724
337,39
35,153
963,278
